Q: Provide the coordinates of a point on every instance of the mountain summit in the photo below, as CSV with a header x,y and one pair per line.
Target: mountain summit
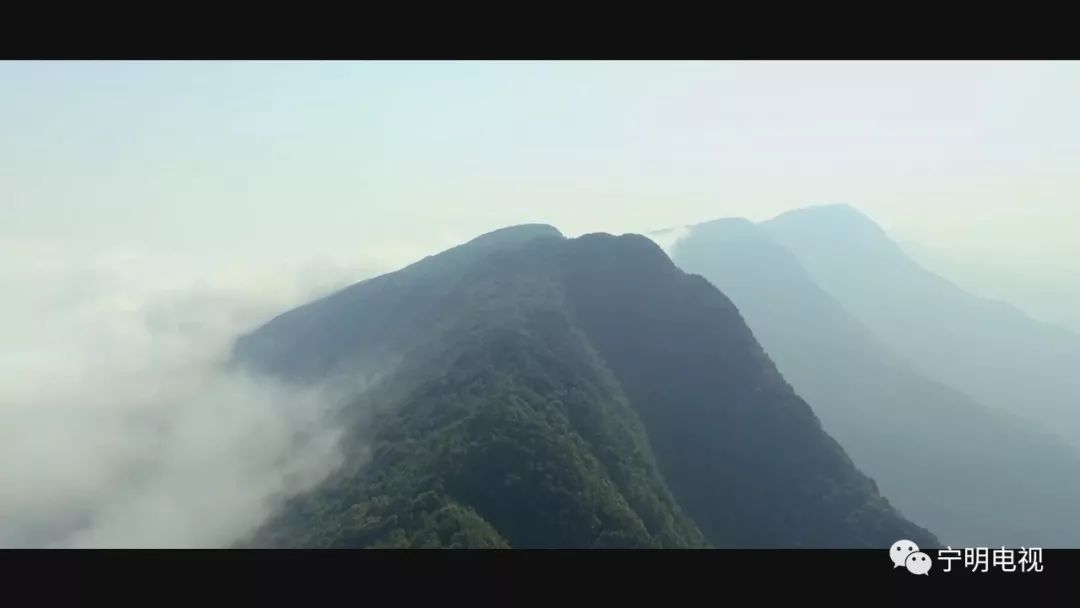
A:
x,y
985,348
951,462
538,391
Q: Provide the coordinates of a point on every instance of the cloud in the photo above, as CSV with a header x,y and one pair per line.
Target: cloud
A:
x,y
119,424
669,238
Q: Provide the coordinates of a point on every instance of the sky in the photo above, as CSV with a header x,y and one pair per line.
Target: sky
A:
x,y
221,163
149,211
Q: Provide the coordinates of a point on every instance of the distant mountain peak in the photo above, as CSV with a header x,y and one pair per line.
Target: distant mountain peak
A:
x,y
728,225
669,239
835,308
832,208
829,215
725,221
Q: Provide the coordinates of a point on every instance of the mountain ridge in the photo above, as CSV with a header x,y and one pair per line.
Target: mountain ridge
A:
x,y
983,347
877,404
569,342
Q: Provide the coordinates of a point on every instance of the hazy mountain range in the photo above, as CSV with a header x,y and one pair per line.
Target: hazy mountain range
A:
x,y
973,473
529,390
988,349
553,392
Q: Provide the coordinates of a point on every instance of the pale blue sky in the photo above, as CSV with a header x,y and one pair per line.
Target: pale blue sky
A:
x,y
208,165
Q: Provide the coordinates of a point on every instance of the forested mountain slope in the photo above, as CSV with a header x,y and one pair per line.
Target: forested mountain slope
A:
x,y
552,392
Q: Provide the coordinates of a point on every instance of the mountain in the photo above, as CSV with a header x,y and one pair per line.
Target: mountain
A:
x,y
987,349
976,476
1048,295
536,391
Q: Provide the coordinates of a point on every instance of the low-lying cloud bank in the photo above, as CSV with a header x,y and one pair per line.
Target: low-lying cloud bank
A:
x,y
120,425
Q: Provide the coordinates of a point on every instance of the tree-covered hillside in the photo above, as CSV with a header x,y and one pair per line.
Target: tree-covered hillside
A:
x,y
551,392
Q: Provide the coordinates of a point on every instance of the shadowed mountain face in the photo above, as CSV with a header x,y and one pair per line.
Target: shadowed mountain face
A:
x,y
547,392
974,475
372,324
984,348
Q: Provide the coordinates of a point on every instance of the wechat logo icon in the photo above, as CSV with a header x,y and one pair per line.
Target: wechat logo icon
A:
x,y
906,554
